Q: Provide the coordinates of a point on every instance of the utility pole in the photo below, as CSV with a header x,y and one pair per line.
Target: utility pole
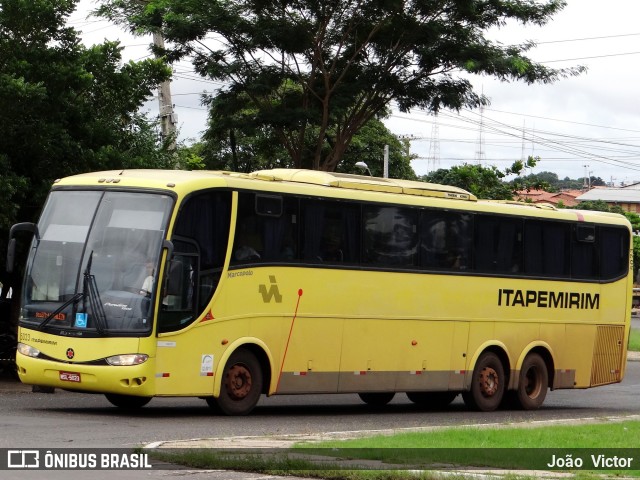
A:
x,y
385,163
168,119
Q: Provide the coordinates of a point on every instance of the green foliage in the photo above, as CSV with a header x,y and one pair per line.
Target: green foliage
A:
x,y
247,149
634,218
634,340
483,182
305,76
595,205
65,108
556,185
368,146
607,435
636,256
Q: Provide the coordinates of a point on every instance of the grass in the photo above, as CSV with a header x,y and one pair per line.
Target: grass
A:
x,y
515,448
634,340
601,435
390,457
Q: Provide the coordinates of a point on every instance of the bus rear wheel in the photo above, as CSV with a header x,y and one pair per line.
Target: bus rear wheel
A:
x,y
127,401
487,384
241,384
377,399
533,382
434,400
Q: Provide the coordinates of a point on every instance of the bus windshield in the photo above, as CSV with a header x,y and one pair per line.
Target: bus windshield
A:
x,y
95,267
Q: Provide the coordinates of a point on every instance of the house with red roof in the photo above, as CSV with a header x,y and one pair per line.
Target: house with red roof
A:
x,y
567,197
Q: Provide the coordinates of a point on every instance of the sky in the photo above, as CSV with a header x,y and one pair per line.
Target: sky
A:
x,y
579,126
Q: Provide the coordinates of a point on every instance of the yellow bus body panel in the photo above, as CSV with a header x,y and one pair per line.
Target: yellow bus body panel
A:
x,y
350,330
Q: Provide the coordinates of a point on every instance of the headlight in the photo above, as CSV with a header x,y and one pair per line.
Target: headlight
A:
x,y
130,359
27,350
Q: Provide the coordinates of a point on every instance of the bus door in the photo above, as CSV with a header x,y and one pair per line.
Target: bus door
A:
x,y
191,278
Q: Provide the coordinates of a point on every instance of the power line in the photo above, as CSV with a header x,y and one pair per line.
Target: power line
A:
x,y
603,37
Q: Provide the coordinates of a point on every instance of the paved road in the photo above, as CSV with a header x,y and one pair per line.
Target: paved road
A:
x,y
70,419
63,419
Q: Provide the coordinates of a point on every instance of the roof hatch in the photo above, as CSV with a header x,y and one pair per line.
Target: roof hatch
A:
x,y
360,182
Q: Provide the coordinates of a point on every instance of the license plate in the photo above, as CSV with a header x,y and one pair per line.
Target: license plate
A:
x,y
70,377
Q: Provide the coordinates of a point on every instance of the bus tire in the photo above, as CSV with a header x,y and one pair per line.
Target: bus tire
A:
x,y
129,402
377,399
487,384
533,382
433,400
213,405
241,384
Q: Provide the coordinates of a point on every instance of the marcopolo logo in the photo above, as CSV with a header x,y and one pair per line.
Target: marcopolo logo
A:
x,y
272,293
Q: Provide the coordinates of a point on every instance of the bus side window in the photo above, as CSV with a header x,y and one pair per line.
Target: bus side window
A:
x,y
390,236
498,244
330,232
546,248
446,240
614,252
177,305
266,229
584,260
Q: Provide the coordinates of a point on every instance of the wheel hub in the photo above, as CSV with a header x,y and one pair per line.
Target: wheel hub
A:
x,y
532,383
239,382
489,382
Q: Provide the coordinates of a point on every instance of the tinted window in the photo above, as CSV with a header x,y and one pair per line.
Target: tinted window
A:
x,y
266,229
614,252
546,248
498,243
390,236
584,252
446,240
330,232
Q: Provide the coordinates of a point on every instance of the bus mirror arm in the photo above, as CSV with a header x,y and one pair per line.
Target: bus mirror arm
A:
x,y
11,249
168,244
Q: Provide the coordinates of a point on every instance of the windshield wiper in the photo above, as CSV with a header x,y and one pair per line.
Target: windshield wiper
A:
x,y
90,289
75,299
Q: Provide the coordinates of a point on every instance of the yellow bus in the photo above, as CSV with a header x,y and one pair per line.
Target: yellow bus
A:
x,y
227,286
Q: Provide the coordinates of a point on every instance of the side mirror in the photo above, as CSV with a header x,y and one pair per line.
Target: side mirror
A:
x,y
11,255
11,249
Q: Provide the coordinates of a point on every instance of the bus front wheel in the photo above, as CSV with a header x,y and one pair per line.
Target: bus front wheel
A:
x,y
533,382
127,401
487,384
241,384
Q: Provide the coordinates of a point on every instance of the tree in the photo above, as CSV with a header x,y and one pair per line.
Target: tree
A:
x,y
249,149
487,182
483,182
65,108
309,74
549,179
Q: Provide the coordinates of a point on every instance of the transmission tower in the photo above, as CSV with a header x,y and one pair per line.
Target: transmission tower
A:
x,y
480,156
433,160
